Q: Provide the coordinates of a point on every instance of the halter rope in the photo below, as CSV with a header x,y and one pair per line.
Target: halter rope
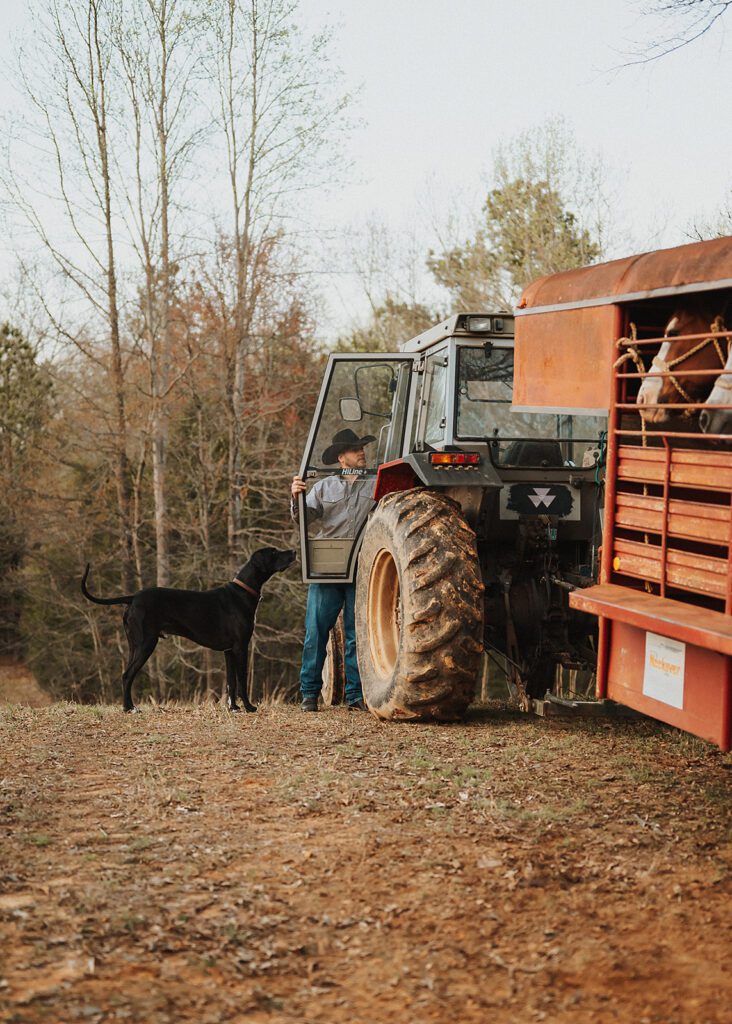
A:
x,y
632,352
663,366
630,344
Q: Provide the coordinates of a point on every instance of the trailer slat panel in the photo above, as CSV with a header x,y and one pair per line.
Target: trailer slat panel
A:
x,y
680,456
696,581
637,465
702,574
690,520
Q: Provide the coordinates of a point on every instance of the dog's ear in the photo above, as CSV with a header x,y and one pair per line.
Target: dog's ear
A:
x,y
258,559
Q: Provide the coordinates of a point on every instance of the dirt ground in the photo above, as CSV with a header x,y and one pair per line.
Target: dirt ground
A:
x,y
184,865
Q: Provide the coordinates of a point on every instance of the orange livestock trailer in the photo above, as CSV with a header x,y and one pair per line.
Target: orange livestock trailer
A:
x,y
586,340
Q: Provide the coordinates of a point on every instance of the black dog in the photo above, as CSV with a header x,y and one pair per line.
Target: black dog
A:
x,y
222,619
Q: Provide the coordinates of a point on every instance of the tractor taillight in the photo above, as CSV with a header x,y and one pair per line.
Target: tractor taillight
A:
x,y
454,458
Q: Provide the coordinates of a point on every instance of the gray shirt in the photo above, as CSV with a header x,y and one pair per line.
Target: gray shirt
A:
x,y
339,507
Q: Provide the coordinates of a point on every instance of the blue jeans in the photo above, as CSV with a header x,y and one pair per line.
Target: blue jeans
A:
x,y
325,601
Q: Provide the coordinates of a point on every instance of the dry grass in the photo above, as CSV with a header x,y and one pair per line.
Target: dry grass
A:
x,y
186,865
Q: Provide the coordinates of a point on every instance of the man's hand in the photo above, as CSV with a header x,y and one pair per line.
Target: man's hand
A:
x,y
298,486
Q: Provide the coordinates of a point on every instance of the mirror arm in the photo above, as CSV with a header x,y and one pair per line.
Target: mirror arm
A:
x,y
379,415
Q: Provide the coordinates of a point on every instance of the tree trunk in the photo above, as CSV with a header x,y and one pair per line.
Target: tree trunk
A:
x,y
160,385
122,468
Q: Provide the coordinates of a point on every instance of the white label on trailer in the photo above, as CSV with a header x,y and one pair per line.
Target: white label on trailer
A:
x,y
663,673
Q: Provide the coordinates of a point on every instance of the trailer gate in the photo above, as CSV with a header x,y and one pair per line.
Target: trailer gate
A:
x,y
664,599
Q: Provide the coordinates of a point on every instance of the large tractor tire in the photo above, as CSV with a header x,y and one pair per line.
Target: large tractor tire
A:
x,y
334,670
419,608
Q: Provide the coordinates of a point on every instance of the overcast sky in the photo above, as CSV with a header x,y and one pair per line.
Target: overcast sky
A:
x,y
442,84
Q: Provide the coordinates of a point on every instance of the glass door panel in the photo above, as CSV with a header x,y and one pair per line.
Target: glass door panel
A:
x,y
364,403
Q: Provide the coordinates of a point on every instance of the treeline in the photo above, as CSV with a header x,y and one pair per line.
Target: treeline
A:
x,y
156,408
60,502
157,399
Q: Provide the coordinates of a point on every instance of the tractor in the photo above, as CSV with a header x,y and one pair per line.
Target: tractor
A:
x,y
486,515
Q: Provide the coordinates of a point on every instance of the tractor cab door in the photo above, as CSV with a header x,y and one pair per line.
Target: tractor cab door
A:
x,y
365,399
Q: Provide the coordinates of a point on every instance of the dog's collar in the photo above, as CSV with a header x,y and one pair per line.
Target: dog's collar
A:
x,y
245,586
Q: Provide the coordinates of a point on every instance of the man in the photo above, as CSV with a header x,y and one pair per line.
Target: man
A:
x,y
337,506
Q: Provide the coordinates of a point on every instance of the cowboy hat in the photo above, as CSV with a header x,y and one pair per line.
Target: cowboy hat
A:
x,y
343,441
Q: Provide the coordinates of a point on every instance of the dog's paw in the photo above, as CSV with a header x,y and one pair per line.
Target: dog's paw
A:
x,y
250,707
131,711
234,709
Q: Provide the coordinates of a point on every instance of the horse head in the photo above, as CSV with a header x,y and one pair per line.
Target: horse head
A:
x,y
713,420
692,353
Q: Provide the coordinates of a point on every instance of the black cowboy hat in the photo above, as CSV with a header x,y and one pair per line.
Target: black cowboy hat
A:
x,y
344,441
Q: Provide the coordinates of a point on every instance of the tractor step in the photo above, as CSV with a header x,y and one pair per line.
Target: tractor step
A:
x,y
551,706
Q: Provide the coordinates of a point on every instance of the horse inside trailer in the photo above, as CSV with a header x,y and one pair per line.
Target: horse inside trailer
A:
x,y
685,367
646,340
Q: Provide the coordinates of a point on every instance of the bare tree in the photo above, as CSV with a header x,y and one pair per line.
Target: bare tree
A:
x,y
681,22
718,225
163,303
71,90
276,111
155,44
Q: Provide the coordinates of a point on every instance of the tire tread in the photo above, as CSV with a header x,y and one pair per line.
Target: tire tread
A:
x,y
441,642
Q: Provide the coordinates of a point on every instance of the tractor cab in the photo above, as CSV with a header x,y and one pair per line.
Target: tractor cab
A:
x,y
440,413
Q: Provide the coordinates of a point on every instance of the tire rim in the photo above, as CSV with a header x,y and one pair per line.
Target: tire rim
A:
x,y
383,613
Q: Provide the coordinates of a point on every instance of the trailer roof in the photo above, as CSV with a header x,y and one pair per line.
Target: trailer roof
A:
x,y
701,266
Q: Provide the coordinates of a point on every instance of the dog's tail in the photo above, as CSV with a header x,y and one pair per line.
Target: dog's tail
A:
x,y
101,600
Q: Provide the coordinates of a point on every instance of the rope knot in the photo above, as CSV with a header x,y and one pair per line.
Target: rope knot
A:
x,y
631,351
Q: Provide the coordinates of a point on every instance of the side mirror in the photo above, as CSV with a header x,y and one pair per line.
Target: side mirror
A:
x,y
350,409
